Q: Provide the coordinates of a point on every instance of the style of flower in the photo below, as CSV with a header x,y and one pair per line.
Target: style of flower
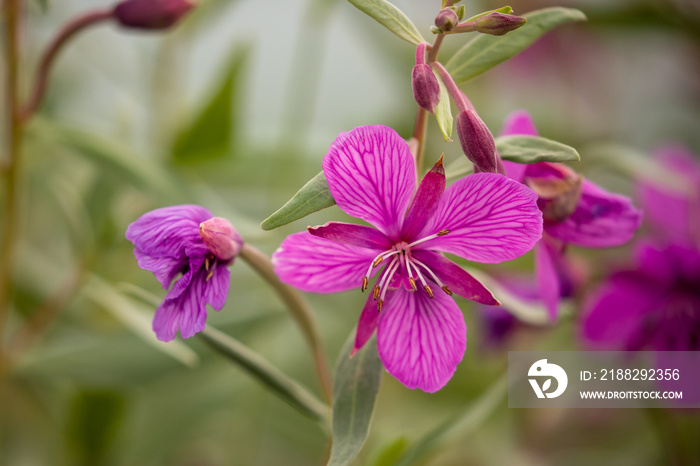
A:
x,y
189,242
421,334
655,305
575,211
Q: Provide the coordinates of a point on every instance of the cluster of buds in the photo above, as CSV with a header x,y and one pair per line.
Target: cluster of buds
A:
x,y
151,14
494,22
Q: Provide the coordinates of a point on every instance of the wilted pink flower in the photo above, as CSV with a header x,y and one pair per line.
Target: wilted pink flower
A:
x,y
189,242
484,217
575,210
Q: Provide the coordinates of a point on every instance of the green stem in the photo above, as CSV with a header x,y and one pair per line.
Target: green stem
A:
x,y
64,35
300,309
280,384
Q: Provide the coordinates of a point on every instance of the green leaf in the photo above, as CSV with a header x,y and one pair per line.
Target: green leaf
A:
x,y
271,378
443,112
533,149
391,18
355,389
485,51
462,424
210,134
312,197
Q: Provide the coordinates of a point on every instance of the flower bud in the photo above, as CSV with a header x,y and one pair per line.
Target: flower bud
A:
x,y
558,189
151,14
221,238
477,141
498,24
426,89
446,20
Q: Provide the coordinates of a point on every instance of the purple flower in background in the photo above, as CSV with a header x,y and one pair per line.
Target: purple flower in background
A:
x,y
484,217
575,211
656,304
189,242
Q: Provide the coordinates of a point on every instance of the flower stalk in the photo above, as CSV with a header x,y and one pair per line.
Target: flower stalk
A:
x,y
300,310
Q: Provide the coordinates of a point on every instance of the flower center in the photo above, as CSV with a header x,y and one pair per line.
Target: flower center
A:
x,y
402,259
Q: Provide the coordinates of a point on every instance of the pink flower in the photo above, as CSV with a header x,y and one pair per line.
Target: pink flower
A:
x,y
575,211
188,243
485,217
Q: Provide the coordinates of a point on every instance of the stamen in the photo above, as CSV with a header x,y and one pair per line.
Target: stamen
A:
x,y
427,238
211,271
435,278
428,290
375,291
379,306
377,260
206,263
365,281
447,290
388,276
413,283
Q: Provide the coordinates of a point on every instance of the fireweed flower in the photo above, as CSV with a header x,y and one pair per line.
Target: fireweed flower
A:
x,y
485,217
188,241
655,305
575,211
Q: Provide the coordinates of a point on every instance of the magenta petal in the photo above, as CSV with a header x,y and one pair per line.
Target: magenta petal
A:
x,y
614,314
168,231
319,265
601,219
352,235
490,218
519,123
187,311
456,278
515,171
164,268
421,340
216,288
366,324
371,175
548,284
423,205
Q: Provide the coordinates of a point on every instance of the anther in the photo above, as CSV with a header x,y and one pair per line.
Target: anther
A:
x,y
365,281
206,263
428,290
413,283
379,306
375,291
443,232
209,275
447,290
377,261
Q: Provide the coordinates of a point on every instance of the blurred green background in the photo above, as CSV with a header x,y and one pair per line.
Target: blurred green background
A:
x,y
234,110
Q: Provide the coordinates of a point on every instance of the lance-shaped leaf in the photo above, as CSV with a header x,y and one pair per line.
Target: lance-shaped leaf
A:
x,y
354,393
443,112
485,51
391,18
533,149
312,197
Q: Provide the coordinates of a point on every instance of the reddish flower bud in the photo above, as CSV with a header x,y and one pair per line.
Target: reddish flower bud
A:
x,y
498,24
477,141
151,14
558,188
221,238
426,89
446,20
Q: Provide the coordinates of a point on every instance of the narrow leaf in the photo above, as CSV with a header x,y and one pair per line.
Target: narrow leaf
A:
x,y
312,197
391,18
485,51
271,378
533,149
355,390
210,134
443,111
